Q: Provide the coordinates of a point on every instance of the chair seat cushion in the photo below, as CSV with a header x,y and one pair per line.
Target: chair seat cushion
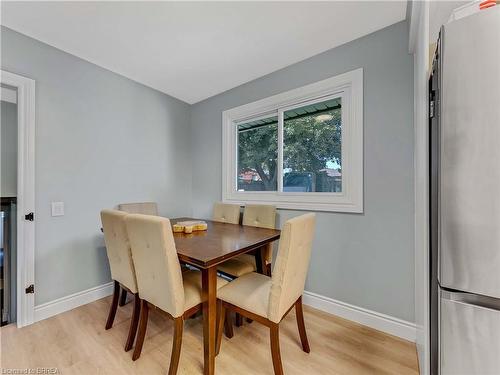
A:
x,y
249,292
192,288
239,265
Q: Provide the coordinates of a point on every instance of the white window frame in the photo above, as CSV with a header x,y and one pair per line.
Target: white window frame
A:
x,y
348,86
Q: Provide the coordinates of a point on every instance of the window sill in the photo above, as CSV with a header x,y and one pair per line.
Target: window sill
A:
x,y
344,207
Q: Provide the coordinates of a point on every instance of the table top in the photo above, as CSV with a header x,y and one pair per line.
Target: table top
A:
x,y
221,241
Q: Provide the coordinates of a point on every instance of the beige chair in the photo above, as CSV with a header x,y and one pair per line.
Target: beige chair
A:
x,y
146,208
160,281
226,213
267,300
255,215
122,267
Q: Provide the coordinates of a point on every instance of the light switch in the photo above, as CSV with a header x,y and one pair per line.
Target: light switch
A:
x,y
57,208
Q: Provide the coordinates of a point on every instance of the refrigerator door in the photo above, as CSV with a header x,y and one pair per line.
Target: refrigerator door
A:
x,y
470,335
469,243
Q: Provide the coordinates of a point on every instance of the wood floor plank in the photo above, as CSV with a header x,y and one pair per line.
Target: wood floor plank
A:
x,y
76,343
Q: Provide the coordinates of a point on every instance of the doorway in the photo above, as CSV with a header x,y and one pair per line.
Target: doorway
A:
x,y
17,193
8,205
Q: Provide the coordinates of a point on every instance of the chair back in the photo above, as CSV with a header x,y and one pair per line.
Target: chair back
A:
x,y
260,215
226,213
292,264
157,267
118,248
145,208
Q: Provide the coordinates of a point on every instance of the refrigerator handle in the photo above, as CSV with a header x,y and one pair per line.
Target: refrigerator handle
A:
x,y
471,299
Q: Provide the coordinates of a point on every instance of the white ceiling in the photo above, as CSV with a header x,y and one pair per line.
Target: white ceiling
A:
x,y
194,50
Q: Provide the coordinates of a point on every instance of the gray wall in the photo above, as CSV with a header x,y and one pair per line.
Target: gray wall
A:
x,y
101,139
148,146
8,135
363,259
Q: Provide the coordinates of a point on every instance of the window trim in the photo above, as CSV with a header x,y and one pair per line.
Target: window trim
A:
x,y
347,85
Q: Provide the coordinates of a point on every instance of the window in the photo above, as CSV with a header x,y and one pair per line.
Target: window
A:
x,y
258,155
312,147
302,149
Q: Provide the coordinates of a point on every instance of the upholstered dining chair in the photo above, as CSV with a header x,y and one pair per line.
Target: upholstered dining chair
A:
x,y
160,281
122,268
266,299
146,208
226,213
255,215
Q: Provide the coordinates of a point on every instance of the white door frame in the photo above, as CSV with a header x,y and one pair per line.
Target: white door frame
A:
x,y
419,47
25,192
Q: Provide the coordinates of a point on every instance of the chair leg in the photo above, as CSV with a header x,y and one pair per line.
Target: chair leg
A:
x,y
176,345
134,321
123,297
268,269
239,320
114,304
300,324
228,325
275,349
143,324
221,321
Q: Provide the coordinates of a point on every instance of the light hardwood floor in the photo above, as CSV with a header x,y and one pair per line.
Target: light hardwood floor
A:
x,y
76,343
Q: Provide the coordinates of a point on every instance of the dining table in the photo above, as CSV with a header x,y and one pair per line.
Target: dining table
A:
x,y
207,249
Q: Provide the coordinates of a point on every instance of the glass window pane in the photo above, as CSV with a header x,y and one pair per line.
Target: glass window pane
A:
x,y
312,154
258,155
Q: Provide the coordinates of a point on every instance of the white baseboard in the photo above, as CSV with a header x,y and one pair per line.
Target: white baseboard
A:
x,y
381,322
372,319
60,305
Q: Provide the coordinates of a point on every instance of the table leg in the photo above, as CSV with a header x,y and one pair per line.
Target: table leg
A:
x,y
260,260
209,293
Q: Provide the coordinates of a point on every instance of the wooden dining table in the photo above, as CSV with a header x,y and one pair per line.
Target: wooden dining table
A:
x,y
207,249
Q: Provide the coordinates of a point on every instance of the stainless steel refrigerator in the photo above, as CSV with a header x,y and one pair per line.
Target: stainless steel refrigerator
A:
x,y
465,197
